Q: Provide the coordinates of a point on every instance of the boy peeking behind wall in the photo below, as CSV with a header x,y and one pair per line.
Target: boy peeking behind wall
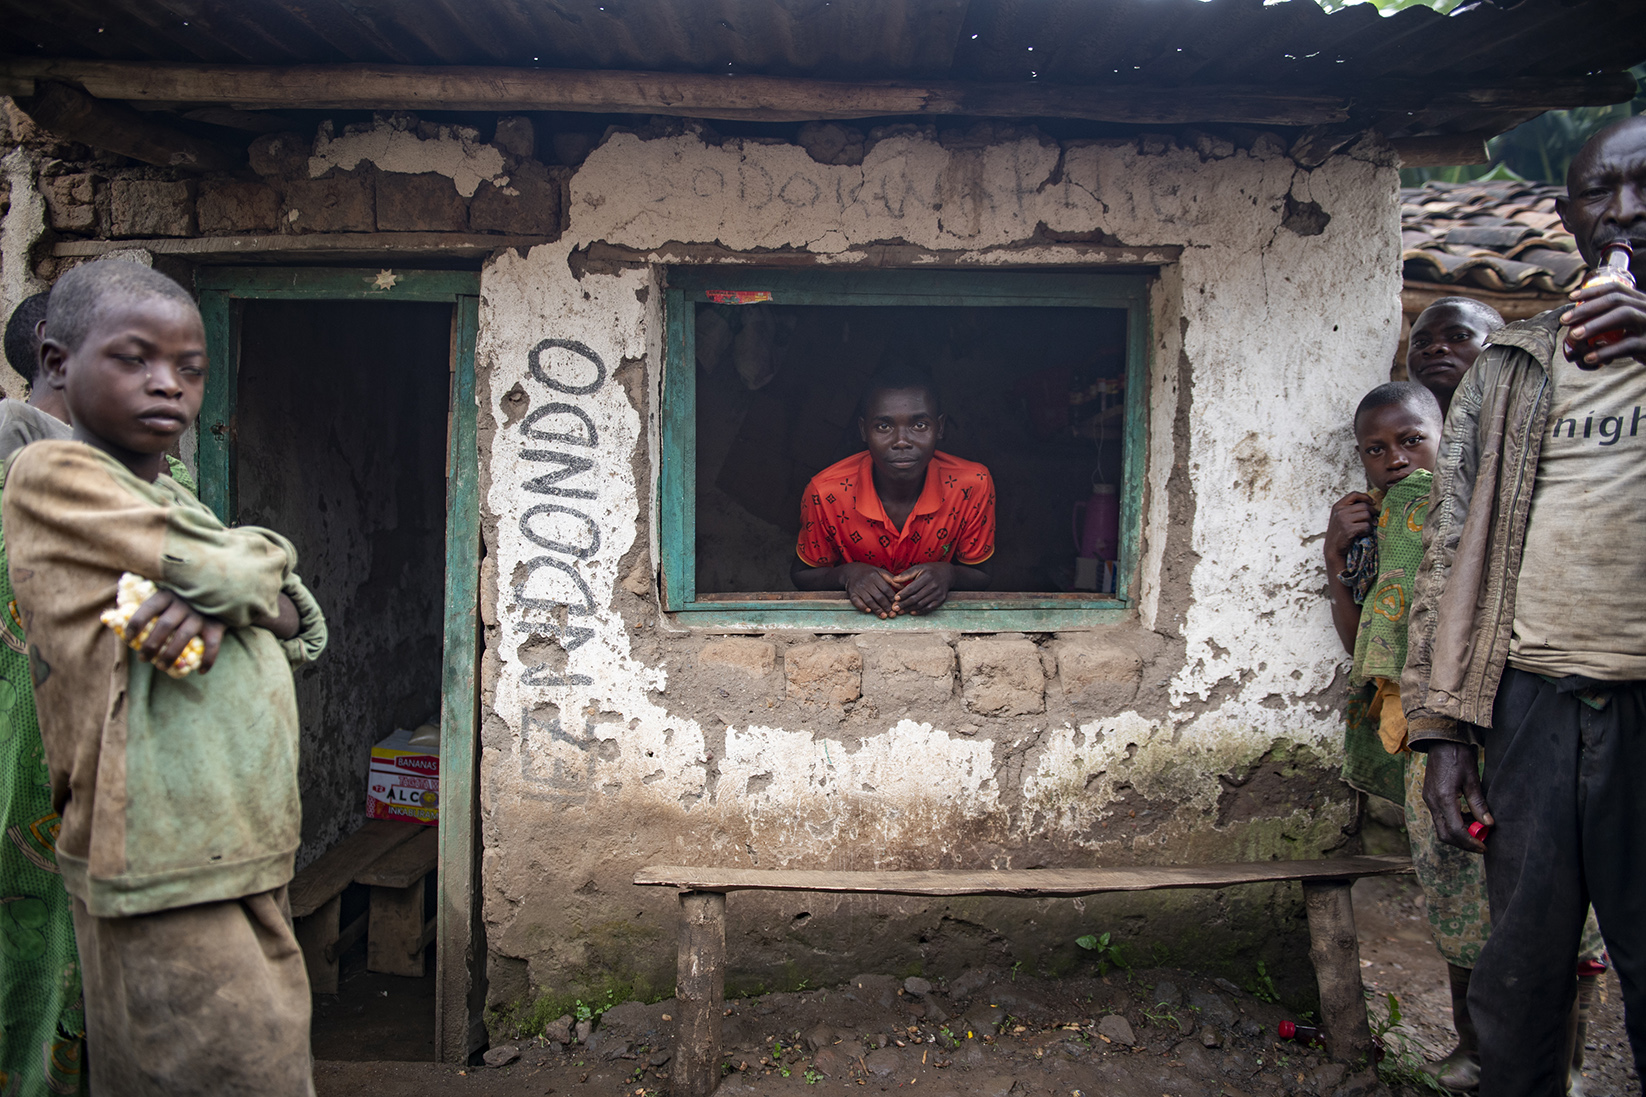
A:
x,y
1397,436
178,796
900,525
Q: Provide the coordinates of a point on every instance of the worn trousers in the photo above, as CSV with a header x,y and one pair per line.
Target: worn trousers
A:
x,y
202,1001
1563,781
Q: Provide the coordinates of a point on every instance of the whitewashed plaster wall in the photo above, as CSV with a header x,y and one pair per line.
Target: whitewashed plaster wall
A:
x,y
602,750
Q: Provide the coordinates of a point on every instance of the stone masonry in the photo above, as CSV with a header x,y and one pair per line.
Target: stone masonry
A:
x,y
1002,676
825,672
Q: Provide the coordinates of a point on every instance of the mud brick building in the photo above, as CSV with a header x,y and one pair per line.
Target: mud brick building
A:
x,y
529,322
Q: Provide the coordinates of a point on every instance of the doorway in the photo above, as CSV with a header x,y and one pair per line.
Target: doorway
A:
x,y
340,412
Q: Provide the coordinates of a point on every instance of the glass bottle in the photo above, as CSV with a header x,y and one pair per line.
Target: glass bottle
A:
x,y
1306,1034
1612,271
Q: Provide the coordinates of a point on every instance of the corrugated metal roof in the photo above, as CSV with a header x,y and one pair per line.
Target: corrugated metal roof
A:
x,y
1067,41
1500,236
1151,42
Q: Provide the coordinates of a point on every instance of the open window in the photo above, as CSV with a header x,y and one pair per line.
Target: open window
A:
x,y
1042,378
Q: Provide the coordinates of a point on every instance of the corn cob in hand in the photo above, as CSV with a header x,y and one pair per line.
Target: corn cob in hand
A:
x,y
131,592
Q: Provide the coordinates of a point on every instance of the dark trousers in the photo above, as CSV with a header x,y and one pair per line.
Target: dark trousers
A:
x,y
1565,784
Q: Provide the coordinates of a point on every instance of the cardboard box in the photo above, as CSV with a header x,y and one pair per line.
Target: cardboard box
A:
x,y
403,781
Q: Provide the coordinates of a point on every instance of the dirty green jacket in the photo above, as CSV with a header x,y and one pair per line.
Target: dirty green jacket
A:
x,y
172,791
1463,603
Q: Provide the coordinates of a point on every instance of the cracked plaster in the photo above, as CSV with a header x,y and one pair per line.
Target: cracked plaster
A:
x,y
453,151
614,768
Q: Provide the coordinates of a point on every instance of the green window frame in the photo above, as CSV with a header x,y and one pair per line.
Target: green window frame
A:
x,y
686,287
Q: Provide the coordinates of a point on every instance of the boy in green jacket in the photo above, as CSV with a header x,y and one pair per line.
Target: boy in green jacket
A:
x,y
178,796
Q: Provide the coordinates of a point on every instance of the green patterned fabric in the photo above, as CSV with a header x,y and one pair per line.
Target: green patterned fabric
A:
x,y
1380,644
42,1017
1453,880
178,471
1366,765
1454,883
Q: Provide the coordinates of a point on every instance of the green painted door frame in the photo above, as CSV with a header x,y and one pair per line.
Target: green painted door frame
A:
x,y
221,289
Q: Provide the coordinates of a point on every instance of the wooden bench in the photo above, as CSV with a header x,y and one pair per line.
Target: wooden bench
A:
x,y
700,987
316,896
396,934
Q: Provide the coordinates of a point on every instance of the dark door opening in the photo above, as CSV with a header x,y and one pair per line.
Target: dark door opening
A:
x,y
341,422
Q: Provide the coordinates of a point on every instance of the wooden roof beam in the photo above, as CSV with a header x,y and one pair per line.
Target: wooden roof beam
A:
x,y
690,95
1442,150
72,114
781,99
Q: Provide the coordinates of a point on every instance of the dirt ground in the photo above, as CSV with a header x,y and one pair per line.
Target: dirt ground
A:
x,y
1156,1033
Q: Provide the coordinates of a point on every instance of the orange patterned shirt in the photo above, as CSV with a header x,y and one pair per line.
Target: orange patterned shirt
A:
x,y
843,521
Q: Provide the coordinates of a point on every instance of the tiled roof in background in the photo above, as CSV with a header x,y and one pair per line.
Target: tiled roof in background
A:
x,y
1504,237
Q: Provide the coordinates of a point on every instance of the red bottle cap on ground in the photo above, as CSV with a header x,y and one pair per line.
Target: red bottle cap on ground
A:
x,y
1287,1029
1590,967
1479,830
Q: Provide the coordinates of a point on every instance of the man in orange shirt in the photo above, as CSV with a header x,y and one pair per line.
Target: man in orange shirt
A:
x,y
899,525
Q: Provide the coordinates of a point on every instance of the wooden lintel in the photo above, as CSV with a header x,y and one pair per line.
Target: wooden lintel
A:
x,y
329,245
70,113
691,95
1050,254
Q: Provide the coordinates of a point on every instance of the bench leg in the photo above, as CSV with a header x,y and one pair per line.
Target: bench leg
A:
x,y
396,929
700,991
317,936
1336,954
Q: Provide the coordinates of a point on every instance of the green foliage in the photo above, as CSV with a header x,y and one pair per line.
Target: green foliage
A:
x,y
528,1017
1109,953
1402,1062
588,1011
1382,1026
1263,988
777,1058
1160,1016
